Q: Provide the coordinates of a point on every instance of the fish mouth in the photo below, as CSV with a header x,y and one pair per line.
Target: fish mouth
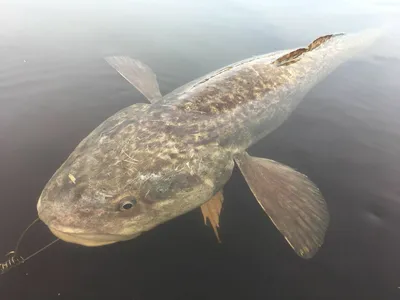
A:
x,y
90,239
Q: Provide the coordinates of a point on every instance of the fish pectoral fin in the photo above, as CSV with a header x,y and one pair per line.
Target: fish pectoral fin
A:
x,y
138,74
211,211
290,199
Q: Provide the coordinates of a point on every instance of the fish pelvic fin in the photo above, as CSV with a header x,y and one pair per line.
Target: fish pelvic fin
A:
x,y
211,210
293,203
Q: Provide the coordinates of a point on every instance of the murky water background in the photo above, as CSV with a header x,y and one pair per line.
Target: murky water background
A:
x,y
55,88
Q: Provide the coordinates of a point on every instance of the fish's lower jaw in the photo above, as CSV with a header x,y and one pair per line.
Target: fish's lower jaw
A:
x,y
86,240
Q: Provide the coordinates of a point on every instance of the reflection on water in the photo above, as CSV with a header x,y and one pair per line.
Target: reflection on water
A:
x,y
55,88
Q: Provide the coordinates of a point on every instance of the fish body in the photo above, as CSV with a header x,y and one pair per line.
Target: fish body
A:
x,y
150,163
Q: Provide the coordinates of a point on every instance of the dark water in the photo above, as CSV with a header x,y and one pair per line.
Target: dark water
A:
x,y
55,88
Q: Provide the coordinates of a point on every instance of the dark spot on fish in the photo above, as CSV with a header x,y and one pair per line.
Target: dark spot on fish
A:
x,y
157,115
165,187
225,142
173,155
213,134
184,181
85,213
168,129
79,190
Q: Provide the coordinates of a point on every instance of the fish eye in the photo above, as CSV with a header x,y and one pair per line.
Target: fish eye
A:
x,y
127,204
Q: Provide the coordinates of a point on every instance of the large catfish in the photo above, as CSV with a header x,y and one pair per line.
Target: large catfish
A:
x,y
150,163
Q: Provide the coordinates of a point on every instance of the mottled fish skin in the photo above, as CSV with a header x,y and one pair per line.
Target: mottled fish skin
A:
x,y
247,100
146,151
175,154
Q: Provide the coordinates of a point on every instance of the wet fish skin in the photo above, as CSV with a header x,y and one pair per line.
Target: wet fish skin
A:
x,y
253,97
173,155
148,152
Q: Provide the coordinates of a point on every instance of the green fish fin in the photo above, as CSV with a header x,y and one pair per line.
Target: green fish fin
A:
x,y
138,74
290,199
211,210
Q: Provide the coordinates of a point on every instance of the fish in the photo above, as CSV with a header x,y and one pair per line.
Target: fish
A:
x,y
154,161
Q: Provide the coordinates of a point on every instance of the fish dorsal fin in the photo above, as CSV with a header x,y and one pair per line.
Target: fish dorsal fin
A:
x,y
291,200
295,55
138,74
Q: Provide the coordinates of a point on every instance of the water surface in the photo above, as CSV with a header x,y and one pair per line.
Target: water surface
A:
x,y
55,88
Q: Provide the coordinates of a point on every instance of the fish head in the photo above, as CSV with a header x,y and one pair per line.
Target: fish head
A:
x,y
100,211
103,193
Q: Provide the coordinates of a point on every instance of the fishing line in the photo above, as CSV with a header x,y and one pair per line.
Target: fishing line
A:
x,y
14,259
